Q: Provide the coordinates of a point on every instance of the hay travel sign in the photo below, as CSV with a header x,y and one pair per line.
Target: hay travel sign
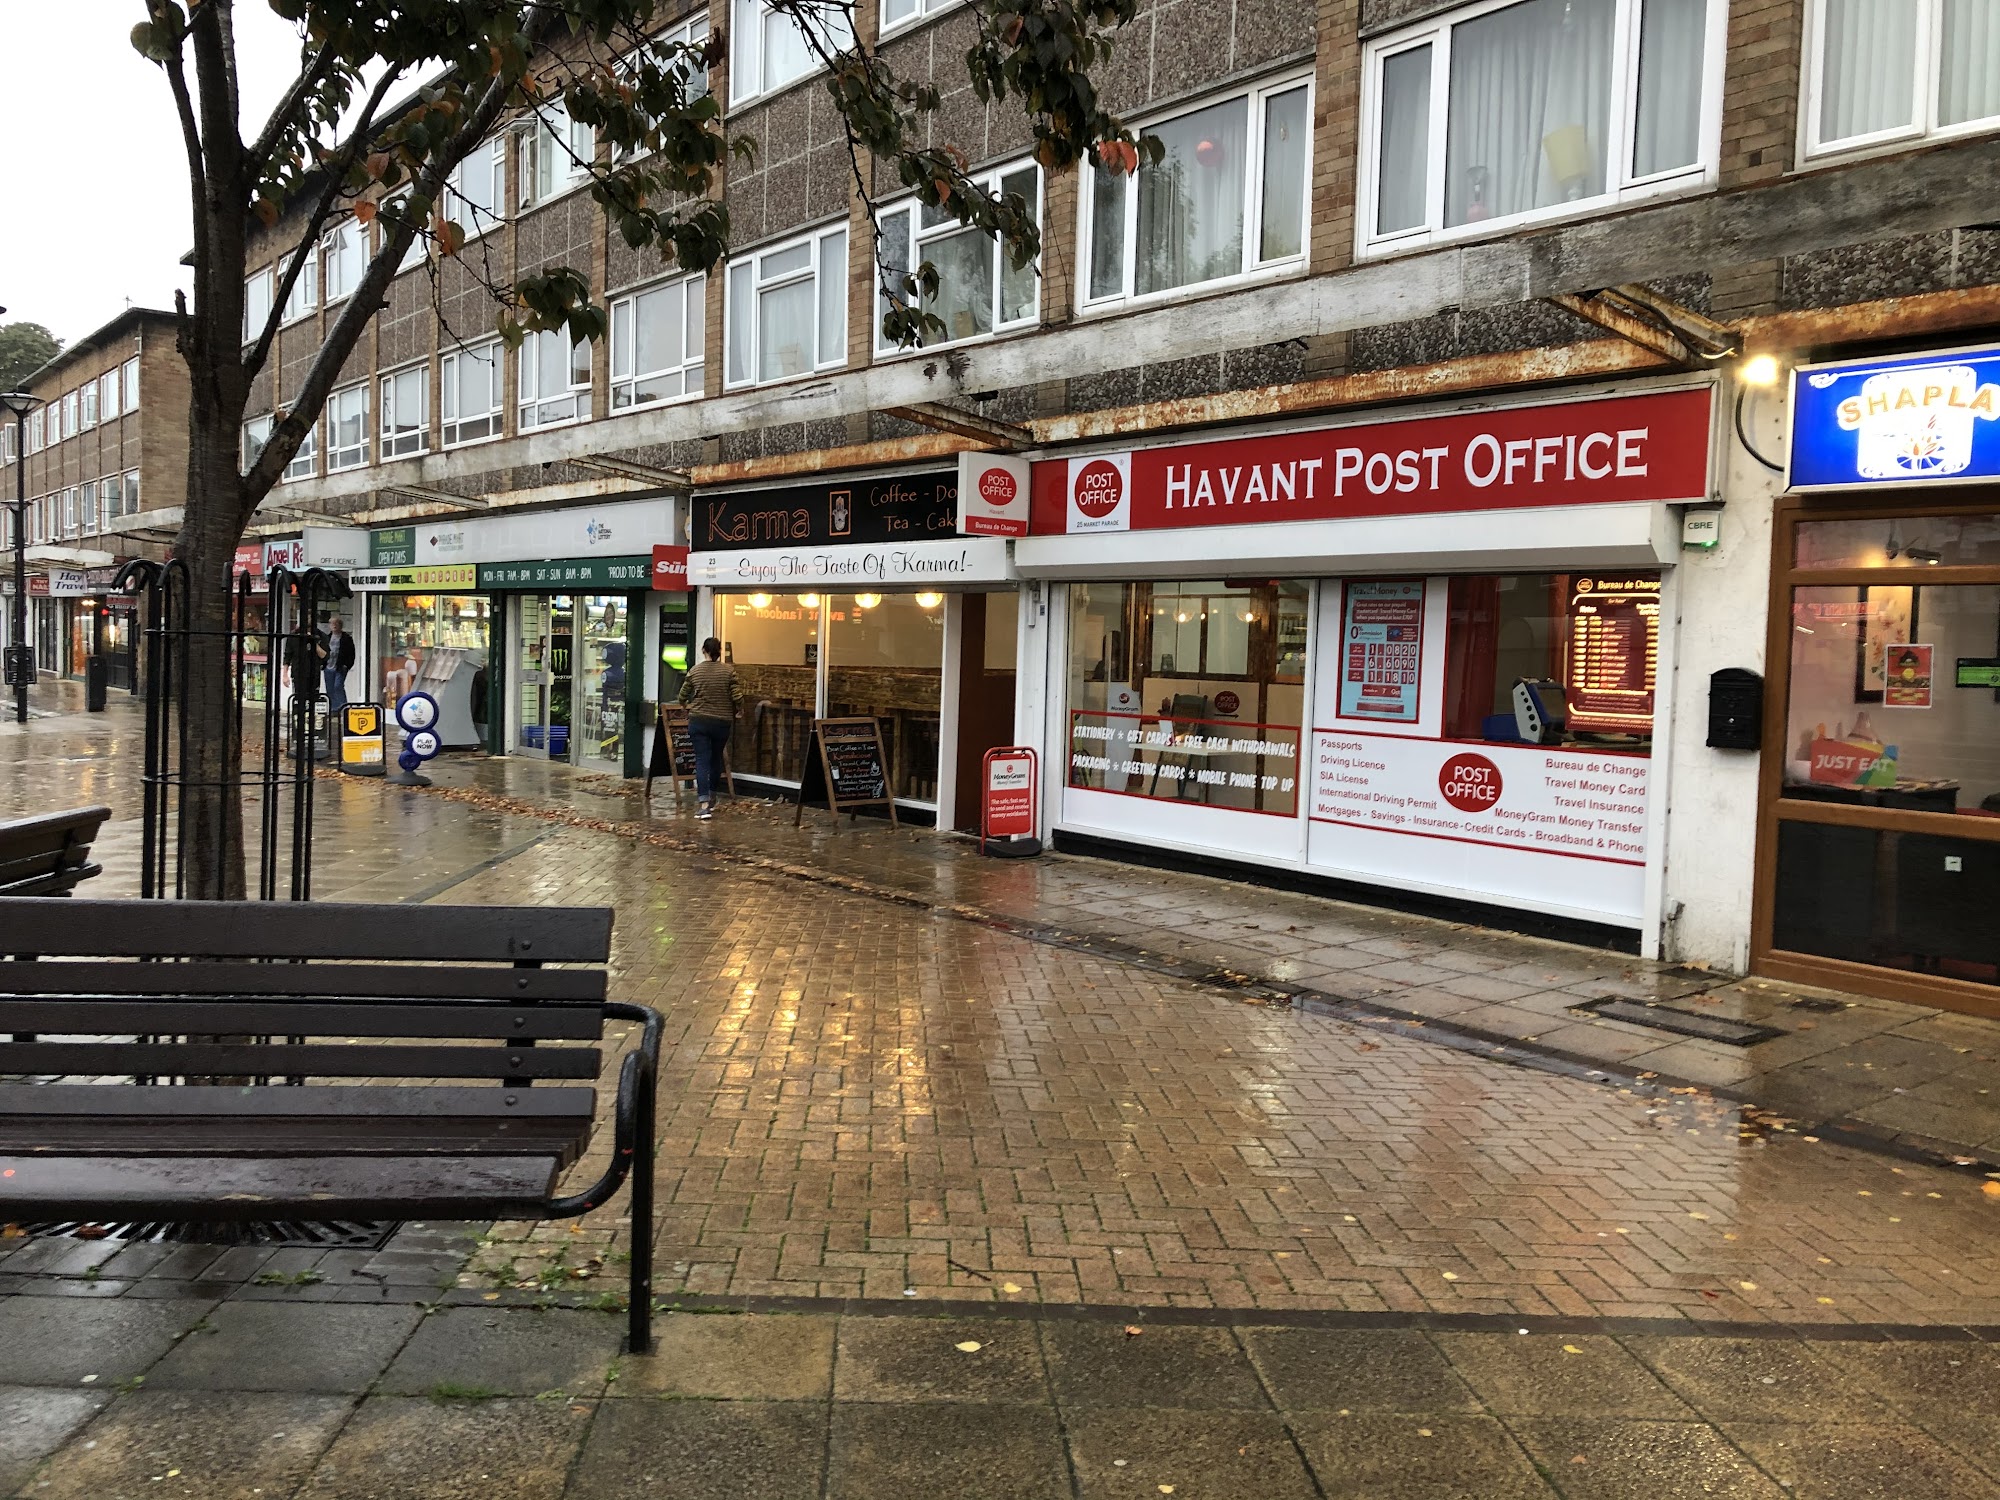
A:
x,y
1923,418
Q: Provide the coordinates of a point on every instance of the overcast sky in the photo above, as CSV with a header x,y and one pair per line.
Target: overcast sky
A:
x,y
95,175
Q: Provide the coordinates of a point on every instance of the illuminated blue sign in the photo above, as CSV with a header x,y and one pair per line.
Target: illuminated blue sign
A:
x,y
1923,417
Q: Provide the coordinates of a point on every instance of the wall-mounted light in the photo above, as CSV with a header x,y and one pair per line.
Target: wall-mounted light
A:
x,y
867,601
1757,373
1759,370
929,600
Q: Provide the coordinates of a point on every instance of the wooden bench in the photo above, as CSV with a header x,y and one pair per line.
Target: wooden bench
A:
x,y
48,854
197,1082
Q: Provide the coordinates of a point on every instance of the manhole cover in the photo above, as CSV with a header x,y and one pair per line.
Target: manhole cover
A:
x,y
1680,1022
291,1234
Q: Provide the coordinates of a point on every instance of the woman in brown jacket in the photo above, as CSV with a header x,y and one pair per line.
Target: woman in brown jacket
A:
x,y
712,695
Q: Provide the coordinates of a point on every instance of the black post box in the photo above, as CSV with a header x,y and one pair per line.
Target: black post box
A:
x,y
1735,709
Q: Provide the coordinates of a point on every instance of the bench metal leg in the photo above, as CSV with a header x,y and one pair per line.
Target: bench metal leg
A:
x,y
640,1313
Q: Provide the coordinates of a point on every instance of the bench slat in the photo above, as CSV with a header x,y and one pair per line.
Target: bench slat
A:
x,y
264,1135
357,1187
313,1060
276,929
338,981
175,1017
193,1100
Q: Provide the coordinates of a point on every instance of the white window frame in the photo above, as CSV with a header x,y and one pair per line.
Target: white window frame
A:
x,y
305,462
1255,270
569,146
746,51
917,237
452,422
86,508
1923,124
744,307
412,440
107,396
692,367
304,300
131,489
131,384
257,289
488,157
338,246
69,511
538,409
35,426
1624,186
256,437
86,400
352,455
69,426
920,12
689,31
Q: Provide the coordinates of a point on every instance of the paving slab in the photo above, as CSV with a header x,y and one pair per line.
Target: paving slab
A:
x,y
276,1346
401,1448
1450,1457
1192,1455
479,1352
1852,1462
918,1359
34,1423
62,1340
1558,1375
648,1449
904,1450
1367,1370
1761,1379
733,1356
1919,1377
205,1445
1116,1364
1610,1458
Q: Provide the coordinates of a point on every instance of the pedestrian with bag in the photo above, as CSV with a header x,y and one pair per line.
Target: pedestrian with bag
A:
x,y
711,695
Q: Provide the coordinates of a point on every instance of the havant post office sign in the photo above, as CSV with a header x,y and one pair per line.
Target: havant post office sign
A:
x,y
1915,419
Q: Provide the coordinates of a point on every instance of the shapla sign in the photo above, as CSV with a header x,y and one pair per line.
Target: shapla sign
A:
x,y
1927,417
992,495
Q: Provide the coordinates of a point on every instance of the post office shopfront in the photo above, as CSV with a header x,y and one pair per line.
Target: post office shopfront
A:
x,y
1420,652
861,598
1879,850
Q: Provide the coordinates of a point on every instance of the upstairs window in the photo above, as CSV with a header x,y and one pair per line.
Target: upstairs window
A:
x,y
899,13
663,47
305,462
87,404
469,400
347,428
1516,112
1226,201
556,153
131,507
69,512
256,303
69,424
256,433
656,344
1885,73
768,50
87,507
787,312
406,415
304,295
131,383
344,258
107,396
555,379
980,290
35,419
476,194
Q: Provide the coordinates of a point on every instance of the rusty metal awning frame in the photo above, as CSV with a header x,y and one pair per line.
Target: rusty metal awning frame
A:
x,y
1004,436
1642,316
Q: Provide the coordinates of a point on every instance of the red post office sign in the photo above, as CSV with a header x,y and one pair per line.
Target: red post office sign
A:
x,y
670,570
1011,787
992,495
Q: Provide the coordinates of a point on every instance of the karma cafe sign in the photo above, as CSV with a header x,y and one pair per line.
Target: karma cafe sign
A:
x,y
1625,448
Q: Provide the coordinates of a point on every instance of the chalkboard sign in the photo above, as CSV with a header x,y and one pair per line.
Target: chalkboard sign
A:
x,y
846,768
678,766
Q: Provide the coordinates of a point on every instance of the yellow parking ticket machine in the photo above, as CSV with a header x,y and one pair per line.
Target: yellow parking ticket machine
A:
x,y
361,739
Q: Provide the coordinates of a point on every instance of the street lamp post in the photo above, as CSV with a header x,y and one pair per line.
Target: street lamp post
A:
x,y
20,656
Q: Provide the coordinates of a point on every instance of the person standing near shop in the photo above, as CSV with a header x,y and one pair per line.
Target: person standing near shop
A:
x,y
336,654
711,694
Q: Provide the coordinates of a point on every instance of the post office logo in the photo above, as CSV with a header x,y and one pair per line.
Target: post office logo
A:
x,y
1100,493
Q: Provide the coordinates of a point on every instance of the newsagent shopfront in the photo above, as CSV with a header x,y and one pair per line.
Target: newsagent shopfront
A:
x,y
866,597
1879,851
1418,652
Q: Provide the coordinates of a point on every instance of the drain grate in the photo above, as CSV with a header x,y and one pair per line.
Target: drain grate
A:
x,y
1820,1007
1679,1022
283,1234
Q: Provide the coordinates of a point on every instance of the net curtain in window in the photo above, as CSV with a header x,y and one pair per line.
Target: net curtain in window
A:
x,y
1529,108
1191,201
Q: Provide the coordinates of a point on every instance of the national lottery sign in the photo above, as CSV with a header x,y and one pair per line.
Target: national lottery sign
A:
x,y
1921,418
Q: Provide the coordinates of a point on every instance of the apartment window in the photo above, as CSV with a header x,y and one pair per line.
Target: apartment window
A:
x,y
341,252
769,50
1880,74
662,48
900,12
347,428
69,424
131,486
556,153
69,511
980,289
555,379
469,401
87,405
7,453
256,433
35,430
656,344
1228,199
787,311
304,296
477,190
131,383
256,303
87,508
107,396
406,414
304,463
1536,109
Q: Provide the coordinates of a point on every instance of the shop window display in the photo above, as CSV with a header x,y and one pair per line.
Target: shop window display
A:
x,y
773,639
438,643
885,660
1189,691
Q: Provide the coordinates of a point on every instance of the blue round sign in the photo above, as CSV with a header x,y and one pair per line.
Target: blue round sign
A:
x,y
409,760
415,711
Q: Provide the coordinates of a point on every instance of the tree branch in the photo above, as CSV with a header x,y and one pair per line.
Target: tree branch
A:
x,y
280,121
